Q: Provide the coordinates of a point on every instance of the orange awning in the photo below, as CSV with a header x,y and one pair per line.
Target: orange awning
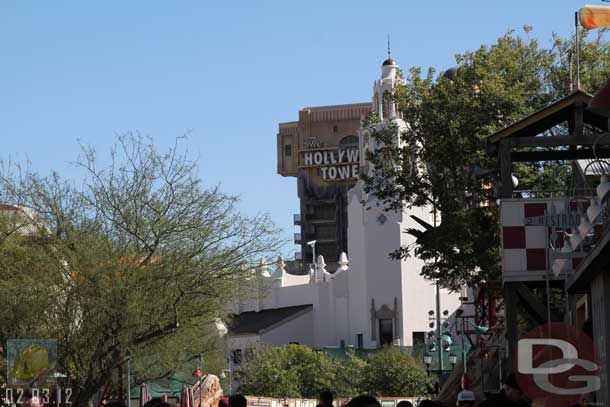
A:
x,y
594,16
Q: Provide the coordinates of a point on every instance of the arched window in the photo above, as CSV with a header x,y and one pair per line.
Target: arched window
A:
x,y
348,141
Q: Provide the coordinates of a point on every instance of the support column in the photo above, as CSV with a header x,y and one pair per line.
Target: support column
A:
x,y
506,165
511,313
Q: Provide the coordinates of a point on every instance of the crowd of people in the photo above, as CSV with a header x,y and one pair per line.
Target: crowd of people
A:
x,y
510,396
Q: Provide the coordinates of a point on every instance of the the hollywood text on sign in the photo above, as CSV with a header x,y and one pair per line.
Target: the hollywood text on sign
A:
x,y
335,164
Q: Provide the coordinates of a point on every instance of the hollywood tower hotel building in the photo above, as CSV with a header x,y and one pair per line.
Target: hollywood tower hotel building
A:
x,y
355,295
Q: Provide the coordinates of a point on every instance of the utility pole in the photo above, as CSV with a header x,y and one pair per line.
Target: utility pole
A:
x,y
438,311
439,339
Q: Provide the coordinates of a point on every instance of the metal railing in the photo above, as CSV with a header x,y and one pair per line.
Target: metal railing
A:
x,y
584,193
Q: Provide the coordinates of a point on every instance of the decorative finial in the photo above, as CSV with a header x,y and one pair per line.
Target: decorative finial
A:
x,y
389,52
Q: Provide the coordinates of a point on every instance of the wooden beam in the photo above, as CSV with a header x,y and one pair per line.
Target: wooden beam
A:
x,y
563,155
602,139
553,108
512,317
577,117
505,163
531,304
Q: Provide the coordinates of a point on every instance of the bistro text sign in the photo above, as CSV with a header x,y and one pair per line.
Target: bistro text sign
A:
x,y
334,164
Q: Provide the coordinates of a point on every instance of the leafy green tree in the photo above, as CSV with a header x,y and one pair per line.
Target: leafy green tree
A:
x,y
449,117
287,371
349,375
392,372
136,260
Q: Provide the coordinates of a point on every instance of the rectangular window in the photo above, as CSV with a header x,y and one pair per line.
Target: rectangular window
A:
x,y
419,339
326,231
288,150
360,341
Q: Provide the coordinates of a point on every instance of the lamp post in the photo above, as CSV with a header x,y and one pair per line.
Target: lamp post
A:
x,y
312,244
128,381
436,336
427,361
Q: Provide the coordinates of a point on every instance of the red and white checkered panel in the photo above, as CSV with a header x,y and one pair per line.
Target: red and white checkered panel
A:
x,y
525,248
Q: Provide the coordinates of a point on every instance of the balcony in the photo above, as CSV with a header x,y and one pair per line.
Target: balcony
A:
x,y
297,238
297,219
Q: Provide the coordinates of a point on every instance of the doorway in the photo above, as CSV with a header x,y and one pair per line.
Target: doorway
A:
x,y
386,332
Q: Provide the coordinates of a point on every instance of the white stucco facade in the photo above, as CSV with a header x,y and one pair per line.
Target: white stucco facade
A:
x,y
371,299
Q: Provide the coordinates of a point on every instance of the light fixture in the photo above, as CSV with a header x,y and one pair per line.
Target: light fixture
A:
x,y
584,227
603,188
452,358
514,180
594,210
556,268
559,265
427,359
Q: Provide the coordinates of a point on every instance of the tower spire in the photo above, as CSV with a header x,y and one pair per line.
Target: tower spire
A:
x,y
389,52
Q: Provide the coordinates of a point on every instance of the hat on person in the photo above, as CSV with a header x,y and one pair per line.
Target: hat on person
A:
x,y
466,395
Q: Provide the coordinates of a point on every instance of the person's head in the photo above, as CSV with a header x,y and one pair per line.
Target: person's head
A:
x,y
465,398
157,402
404,403
238,400
511,388
326,397
363,401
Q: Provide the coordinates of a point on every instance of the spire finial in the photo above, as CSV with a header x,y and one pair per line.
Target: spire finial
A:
x,y
389,52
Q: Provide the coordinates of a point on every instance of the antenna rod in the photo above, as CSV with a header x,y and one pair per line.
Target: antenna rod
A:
x,y
577,47
389,52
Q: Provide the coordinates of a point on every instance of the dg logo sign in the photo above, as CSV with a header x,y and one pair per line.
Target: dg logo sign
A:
x,y
556,365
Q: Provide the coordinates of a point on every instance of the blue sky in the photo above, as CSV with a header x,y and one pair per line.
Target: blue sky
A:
x,y
224,72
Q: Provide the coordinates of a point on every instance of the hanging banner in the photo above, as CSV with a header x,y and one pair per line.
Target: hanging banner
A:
x,y
594,16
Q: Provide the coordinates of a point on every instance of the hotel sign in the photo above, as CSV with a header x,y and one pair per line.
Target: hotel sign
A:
x,y
335,164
